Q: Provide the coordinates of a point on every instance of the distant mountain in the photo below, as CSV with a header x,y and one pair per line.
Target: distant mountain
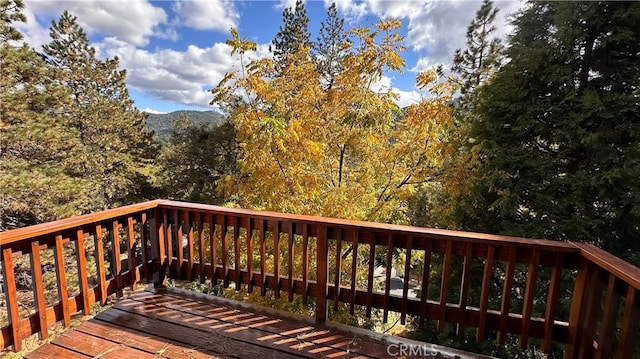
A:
x,y
161,124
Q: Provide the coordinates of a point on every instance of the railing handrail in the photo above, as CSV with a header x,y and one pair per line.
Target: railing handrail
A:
x,y
43,229
612,264
432,232
154,223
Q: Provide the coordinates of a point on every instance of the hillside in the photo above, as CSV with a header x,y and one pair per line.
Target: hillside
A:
x,y
161,124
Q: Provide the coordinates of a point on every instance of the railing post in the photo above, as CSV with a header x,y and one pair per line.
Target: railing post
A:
x,y
158,249
583,293
321,274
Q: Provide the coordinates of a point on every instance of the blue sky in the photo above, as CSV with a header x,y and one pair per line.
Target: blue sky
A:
x,y
174,51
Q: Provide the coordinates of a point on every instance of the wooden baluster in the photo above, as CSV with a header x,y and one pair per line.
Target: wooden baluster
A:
x,y
213,241
336,288
132,253
201,249
608,326
144,242
36,269
484,293
291,259
529,294
629,330
170,227
236,250
305,263
11,296
425,284
160,261
225,252
592,313
506,295
464,287
407,278
322,274
82,272
372,258
263,256
552,302
354,265
388,269
444,285
61,277
115,248
102,272
276,258
188,222
579,302
179,243
250,255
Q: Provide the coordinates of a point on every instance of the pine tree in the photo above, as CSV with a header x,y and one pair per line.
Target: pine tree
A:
x,y
453,201
35,140
293,33
482,56
560,127
197,161
330,47
117,151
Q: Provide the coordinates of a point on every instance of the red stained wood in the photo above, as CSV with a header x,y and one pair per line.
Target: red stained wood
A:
x,y
97,347
144,243
54,352
425,285
225,251
201,247
629,329
484,294
552,303
213,247
250,255
305,263
11,297
506,295
387,287
131,253
354,265
444,285
36,270
322,274
276,258
188,223
102,276
407,277
116,269
62,281
608,326
372,258
236,251
291,259
82,273
177,219
338,270
464,287
527,310
263,256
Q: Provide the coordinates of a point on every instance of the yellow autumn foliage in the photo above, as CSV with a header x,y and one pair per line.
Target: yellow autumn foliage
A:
x,y
342,150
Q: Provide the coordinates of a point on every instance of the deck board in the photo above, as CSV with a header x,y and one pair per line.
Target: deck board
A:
x,y
179,326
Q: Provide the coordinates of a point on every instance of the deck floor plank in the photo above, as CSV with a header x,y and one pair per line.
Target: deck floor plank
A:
x,y
232,316
180,325
51,351
97,347
147,342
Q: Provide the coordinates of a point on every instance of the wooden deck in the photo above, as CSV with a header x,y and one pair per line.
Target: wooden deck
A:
x,y
171,324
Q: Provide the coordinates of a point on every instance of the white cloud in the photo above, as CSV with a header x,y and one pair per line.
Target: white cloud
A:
x,y
351,10
152,111
129,21
217,15
407,98
180,77
284,4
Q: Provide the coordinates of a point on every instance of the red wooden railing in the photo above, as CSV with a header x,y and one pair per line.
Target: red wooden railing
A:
x,y
498,285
